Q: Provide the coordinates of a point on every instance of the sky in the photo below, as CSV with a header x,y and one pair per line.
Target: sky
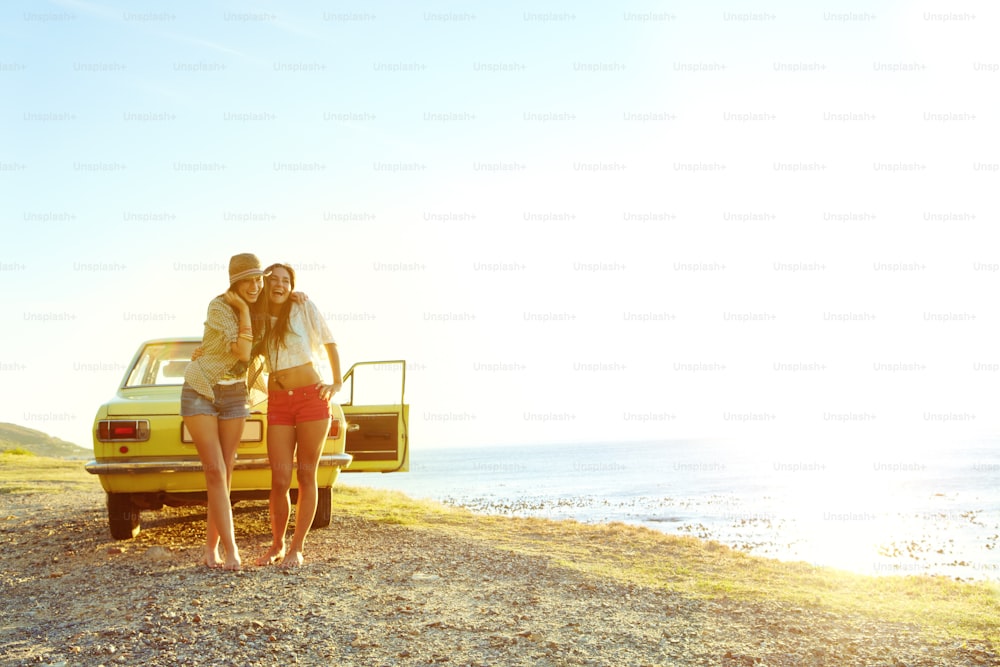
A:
x,y
601,222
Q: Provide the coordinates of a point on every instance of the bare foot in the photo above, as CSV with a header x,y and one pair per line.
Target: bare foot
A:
x,y
272,556
293,559
232,562
212,557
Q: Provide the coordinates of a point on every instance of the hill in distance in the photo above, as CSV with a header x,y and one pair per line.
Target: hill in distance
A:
x,y
13,436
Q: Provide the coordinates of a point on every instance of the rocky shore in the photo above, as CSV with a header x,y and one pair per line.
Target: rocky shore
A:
x,y
378,593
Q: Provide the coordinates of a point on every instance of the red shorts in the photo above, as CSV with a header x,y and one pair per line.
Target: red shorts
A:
x,y
288,407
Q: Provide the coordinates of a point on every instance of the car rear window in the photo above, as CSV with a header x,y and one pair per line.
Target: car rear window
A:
x,y
161,364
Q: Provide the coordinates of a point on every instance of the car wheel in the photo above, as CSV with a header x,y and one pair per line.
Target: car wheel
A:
x,y
123,516
324,508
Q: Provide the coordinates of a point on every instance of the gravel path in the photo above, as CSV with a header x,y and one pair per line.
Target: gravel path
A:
x,y
378,594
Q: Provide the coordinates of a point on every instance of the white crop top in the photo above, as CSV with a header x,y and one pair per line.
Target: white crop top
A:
x,y
307,334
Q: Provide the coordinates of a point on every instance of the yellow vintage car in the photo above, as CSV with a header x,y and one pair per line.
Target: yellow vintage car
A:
x,y
146,459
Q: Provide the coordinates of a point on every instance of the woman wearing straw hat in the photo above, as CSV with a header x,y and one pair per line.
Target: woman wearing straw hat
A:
x,y
214,398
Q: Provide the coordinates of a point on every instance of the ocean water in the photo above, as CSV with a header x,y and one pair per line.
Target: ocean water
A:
x,y
930,508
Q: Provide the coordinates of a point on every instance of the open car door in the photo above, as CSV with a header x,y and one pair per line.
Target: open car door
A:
x,y
377,417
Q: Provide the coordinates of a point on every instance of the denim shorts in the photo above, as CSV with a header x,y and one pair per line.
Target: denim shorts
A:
x,y
289,407
230,402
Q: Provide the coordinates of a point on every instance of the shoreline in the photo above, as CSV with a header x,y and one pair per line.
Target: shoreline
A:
x,y
899,543
933,522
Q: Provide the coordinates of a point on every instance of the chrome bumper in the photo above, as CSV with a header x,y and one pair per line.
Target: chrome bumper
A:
x,y
145,466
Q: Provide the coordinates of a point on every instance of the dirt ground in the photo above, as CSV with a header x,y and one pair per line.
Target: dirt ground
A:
x,y
378,594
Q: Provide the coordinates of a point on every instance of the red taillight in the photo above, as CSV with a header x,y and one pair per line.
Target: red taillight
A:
x,y
334,429
122,430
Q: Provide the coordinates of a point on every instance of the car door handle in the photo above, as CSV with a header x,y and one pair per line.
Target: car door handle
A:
x,y
351,428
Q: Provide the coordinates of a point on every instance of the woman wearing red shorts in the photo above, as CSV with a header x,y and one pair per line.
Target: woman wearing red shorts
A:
x,y
298,410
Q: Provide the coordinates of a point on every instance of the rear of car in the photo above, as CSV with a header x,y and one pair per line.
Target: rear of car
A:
x,y
146,458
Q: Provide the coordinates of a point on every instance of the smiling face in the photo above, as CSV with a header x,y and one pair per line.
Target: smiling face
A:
x,y
249,289
279,285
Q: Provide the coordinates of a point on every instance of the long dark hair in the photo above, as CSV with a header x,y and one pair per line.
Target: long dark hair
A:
x,y
277,331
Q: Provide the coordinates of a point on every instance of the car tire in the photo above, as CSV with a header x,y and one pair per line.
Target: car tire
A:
x,y
123,516
324,508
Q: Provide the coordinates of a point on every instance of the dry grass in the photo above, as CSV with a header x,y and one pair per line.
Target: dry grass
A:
x,y
943,608
24,472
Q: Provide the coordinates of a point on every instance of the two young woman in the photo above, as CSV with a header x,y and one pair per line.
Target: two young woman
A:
x,y
291,335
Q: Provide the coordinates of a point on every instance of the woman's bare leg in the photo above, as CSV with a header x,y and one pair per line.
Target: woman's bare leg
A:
x,y
205,429
230,432
310,437
281,454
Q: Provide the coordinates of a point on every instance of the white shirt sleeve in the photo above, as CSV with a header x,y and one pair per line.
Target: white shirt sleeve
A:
x,y
317,325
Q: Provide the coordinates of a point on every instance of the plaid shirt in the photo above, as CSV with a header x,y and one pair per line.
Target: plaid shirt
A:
x,y
222,329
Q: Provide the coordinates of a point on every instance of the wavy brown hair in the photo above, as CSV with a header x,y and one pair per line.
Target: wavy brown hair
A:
x,y
276,332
